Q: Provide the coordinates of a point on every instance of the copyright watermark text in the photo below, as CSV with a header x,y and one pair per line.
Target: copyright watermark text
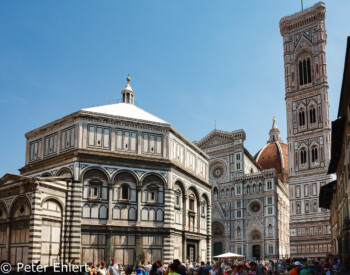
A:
x,y
5,268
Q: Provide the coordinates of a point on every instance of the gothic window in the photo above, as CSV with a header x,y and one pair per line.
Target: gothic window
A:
x,y
232,191
303,156
238,189
304,71
315,206
222,193
260,187
254,188
248,189
312,114
301,117
314,154
227,192
238,231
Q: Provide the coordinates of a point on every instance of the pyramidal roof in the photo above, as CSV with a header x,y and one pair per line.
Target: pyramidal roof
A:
x,y
125,110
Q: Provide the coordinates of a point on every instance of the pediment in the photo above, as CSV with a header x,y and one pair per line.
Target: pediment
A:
x,y
215,138
255,224
217,213
303,43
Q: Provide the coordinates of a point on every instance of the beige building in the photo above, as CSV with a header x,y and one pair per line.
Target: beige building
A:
x,y
108,181
250,195
335,195
308,128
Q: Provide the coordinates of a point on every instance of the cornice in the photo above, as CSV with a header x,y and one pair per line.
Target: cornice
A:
x,y
304,18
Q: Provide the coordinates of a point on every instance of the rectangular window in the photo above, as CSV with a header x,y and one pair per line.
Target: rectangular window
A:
x,y
119,139
125,192
239,214
99,136
126,140
269,200
35,150
269,185
314,189
192,204
152,144
238,156
106,137
50,145
269,210
95,191
238,166
270,249
239,250
306,190
133,139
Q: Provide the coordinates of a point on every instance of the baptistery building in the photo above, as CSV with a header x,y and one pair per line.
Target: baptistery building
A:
x,y
103,182
250,195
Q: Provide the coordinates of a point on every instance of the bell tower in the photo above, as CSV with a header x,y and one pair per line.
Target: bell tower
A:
x,y
308,128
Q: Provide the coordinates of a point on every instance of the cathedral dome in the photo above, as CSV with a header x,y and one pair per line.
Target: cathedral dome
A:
x,y
275,153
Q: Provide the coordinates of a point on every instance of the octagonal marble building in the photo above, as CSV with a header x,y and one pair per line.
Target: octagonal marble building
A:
x,y
103,182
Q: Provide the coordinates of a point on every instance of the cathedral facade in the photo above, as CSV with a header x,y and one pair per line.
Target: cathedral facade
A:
x,y
250,200
308,128
103,182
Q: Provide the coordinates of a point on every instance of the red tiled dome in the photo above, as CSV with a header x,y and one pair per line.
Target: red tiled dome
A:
x,y
274,155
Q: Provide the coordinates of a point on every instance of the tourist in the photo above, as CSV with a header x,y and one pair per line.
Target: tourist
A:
x,y
296,269
179,268
139,270
102,270
171,269
239,269
112,269
213,270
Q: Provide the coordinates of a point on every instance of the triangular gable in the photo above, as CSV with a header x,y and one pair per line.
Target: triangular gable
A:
x,y
215,138
217,213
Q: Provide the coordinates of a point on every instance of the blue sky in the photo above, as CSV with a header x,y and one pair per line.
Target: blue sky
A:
x,y
191,63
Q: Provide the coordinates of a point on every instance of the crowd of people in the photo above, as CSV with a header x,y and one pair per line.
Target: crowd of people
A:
x,y
326,266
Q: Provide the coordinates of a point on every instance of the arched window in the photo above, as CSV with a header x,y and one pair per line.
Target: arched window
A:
x,y
254,188
301,117
270,229
303,156
232,191
124,194
312,114
248,189
227,192
304,71
222,193
260,187
238,189
314,154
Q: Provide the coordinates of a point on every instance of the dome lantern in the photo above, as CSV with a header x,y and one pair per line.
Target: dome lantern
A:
x,y
128,94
